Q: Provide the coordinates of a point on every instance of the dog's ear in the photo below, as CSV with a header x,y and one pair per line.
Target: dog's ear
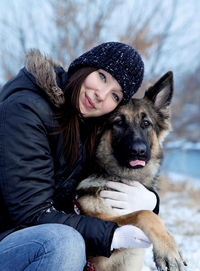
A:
x,y
161,92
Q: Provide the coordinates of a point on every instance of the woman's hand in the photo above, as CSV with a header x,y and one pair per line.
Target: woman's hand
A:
x,y
129,236
126,199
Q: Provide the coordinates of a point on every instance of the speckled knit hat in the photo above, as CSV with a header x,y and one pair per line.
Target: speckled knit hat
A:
x,y
122,61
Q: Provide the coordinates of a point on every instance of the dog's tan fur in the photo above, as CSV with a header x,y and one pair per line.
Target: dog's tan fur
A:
x,y
166,251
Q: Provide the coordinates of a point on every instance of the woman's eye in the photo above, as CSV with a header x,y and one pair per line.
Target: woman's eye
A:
x,y
102,76
116,97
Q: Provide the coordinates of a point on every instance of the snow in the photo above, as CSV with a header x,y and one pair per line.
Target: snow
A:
x,y
180,211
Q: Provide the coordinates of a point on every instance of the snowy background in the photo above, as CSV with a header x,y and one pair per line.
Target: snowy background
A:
x,y
179,191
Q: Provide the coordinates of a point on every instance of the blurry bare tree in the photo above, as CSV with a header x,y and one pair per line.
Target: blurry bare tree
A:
x,y
79,24
73,26
186,108
141,36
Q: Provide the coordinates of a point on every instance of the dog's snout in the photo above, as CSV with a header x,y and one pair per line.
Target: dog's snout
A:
x,y
138,148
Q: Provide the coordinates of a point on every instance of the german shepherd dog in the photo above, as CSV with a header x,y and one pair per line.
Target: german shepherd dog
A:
x,y
130,147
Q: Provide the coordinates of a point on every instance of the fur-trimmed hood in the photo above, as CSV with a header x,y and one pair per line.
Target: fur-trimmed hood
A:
x,y
49,75
42,75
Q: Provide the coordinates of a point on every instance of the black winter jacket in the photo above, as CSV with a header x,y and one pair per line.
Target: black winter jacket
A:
x,y
36,182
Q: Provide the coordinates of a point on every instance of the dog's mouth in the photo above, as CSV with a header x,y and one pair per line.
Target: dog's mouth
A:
x,y
132,161
132,156
137,163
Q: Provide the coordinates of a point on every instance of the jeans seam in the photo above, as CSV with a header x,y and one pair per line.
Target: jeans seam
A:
x,y
21,245
40,258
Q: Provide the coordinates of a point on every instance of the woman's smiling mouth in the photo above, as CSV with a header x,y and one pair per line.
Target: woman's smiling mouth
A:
x,y
88,102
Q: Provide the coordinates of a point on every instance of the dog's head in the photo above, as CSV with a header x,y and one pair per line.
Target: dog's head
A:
x,y
131,143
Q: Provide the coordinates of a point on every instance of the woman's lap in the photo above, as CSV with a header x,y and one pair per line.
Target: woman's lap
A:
x,y
44,247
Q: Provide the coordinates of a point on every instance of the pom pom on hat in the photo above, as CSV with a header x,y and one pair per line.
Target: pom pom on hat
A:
x,y
122,61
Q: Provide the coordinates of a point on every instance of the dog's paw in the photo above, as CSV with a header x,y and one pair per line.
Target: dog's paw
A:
x,y
167,256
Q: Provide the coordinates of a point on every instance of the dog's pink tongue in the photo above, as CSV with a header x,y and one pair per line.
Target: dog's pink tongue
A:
x,y
137,163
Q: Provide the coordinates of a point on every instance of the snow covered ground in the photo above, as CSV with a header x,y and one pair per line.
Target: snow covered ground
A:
x,y
180,211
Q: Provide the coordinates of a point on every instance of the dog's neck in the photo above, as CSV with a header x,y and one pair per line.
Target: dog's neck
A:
x,y
149,179
97,182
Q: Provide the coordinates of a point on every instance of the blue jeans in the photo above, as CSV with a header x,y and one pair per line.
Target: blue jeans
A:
x,y
49,247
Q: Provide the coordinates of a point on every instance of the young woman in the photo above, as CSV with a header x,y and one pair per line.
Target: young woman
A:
x,y
48,123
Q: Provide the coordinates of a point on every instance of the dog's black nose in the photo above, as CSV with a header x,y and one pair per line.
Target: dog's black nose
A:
x,y
138,148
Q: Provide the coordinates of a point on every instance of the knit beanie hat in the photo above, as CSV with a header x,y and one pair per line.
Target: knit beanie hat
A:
x,y
122,61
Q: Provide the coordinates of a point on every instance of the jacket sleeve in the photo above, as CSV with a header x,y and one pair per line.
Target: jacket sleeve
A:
x,y
157,207
27,175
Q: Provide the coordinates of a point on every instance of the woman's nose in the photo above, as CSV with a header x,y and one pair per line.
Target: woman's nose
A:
x,y
101,94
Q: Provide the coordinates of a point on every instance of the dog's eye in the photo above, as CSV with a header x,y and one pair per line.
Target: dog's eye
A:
x,y
146,124
119,122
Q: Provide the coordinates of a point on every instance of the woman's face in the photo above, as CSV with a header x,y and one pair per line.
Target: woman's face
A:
x,y
100,94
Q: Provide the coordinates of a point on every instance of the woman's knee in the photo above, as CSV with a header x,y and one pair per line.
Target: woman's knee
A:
x,y
64,243
67,246
66,239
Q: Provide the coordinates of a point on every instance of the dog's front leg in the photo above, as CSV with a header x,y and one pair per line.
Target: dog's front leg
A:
x,y
120,260
166,251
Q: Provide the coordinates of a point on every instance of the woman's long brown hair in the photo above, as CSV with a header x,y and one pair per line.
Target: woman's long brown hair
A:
x,y
69,118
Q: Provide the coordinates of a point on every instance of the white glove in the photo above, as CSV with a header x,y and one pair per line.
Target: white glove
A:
x,y
129,236
128,198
